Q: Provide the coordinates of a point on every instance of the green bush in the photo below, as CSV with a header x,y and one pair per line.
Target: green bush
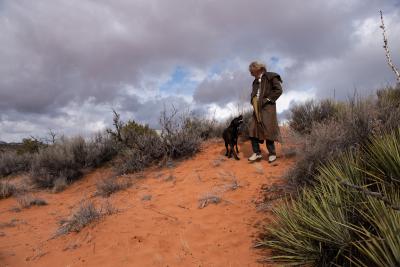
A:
x,y
351,216
30,145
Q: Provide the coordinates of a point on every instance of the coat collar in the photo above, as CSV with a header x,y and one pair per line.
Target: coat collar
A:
x,y
263,77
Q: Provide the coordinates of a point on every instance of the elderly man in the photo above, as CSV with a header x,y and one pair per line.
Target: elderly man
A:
x,y
264,122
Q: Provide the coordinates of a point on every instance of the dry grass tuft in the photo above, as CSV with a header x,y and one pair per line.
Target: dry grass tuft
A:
x,y
7,190
108,186
86,214
26,201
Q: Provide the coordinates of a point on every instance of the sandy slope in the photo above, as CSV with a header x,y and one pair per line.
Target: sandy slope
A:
x,y
167,230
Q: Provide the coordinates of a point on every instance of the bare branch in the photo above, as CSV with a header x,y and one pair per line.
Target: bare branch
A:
x,y
118,124
369,193
52,135
387,51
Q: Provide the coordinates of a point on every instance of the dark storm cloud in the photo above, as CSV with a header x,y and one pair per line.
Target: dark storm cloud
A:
x,y
65,54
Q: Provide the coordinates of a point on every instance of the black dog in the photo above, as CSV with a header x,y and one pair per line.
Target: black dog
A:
x,y
230,136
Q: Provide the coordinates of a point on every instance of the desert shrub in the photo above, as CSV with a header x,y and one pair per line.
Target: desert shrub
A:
x,y
100,150
150,146
27,201
132,160
77,146
304,115
144,150
178,137
351,215
29,145
86,214
350,129
138,145
63,162
108,186
12,162
360,117
118,124
388,107
7,190
182,143
65,156
206,128
126,133
55,162
181,136
131,130
59,184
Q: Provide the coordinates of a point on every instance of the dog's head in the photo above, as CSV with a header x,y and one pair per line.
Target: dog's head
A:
x,y
237,121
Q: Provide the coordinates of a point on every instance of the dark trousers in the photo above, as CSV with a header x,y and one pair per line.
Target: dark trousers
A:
x,y
255,143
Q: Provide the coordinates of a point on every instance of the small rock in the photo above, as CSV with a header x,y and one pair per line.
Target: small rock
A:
x,y
146,198
170,164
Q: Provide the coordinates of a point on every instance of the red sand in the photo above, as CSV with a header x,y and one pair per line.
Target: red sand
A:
x,y
168,230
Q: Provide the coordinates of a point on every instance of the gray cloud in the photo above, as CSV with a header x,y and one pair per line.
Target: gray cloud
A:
x,y
68,53
226,88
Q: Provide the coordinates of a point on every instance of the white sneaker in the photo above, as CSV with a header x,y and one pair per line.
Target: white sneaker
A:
x,y
271,158
255,157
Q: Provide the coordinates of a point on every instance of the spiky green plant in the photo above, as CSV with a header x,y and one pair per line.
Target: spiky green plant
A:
x,y
379,241
351,217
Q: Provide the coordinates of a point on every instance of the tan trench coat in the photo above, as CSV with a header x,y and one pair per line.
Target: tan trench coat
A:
x,y
268,127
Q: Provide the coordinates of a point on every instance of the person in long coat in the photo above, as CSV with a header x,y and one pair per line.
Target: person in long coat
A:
x,y
264,123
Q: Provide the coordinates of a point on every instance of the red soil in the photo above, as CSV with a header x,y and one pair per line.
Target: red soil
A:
x,y
168,230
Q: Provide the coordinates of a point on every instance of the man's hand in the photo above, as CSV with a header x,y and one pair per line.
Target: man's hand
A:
x,y
268,101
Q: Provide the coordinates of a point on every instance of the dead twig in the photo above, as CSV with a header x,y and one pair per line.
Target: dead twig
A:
x,y
209,199
369,193
387,51
162,213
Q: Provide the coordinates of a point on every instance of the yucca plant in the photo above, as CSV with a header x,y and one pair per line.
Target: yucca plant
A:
x,y
379,241
351,217
384,154
317,221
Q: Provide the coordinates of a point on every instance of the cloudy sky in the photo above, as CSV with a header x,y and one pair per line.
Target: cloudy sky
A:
x,y
65,64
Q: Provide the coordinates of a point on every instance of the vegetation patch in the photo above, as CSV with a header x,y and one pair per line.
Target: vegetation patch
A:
x,y
7,190
108,186
351,214
27,201
86,214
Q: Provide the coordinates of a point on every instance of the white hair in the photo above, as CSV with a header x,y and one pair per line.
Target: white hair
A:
x,y
256,65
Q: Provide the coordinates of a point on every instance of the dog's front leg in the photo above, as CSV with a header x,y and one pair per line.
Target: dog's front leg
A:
x,y
227,150
232,147
237,149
